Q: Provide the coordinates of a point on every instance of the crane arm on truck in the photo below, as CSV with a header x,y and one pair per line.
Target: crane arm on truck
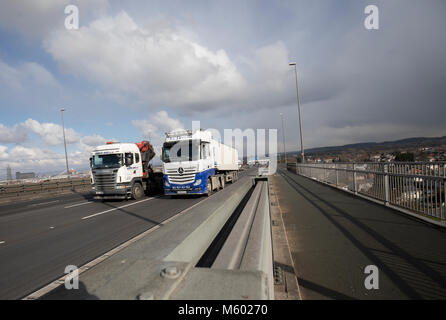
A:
x,y
147,153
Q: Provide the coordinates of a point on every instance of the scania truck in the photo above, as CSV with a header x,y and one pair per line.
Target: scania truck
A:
x,y
122,170
195,163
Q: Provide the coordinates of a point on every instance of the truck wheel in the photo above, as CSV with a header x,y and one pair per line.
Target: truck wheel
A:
x,y
209,188
138,191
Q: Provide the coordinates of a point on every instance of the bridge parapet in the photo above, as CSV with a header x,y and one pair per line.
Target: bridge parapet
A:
x,y
416,188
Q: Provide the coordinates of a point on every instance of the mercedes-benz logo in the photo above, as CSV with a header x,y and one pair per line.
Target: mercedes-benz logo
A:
x,y
180,170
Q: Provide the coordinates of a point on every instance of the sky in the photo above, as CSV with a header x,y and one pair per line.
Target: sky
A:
x,y
134,70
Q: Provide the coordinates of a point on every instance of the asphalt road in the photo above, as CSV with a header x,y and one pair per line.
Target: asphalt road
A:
x,y
333,236
38,239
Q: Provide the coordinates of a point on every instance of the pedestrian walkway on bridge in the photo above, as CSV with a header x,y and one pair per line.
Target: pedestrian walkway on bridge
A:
x,y
333,236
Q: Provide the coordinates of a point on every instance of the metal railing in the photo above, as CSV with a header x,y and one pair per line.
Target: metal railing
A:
x,y
418,187
20,189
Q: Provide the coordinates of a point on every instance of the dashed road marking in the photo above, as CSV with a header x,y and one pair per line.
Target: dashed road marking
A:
x,y
56,283
42,203
117,208
2,242
78,204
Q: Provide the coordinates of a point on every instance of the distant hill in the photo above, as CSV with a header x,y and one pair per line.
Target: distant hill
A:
x,y
403,143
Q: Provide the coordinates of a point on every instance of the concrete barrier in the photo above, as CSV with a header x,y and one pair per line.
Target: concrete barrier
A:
x,y
12,191
163,263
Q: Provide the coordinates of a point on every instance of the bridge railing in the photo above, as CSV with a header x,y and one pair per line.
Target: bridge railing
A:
x,y
24,189
415,187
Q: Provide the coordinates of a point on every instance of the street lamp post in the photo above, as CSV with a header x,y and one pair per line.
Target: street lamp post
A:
x,y
64,141
283,136
300,118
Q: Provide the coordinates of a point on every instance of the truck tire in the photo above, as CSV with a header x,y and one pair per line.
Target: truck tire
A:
x,y
137,191
209,187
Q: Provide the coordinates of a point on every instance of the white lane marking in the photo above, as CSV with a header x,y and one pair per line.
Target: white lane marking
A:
x,y
117,208
42,203
2,242
51,227
57,283
78,204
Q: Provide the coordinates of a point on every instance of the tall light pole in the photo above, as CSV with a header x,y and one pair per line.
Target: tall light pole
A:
x,y
300,118
283,136
64,141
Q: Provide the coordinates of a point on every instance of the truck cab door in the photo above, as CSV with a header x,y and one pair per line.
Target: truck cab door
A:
x,y
129,164
208,160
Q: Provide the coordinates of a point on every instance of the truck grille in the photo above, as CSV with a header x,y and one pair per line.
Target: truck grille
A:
x,y
105,181
174,176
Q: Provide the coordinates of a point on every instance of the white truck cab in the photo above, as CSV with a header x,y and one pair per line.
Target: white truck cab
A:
x,y
194,163
117,171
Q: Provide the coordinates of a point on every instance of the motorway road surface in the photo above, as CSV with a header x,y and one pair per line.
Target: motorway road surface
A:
x,y
333,236
39,238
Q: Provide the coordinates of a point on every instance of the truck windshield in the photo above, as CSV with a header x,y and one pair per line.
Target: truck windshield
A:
x,y
188,150
107,161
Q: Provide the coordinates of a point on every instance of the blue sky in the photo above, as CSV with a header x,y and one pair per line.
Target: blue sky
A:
x,y
136,69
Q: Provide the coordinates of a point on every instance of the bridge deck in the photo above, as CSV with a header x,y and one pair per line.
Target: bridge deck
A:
x,y
333,236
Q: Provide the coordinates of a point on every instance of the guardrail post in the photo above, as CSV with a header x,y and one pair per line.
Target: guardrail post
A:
x,y
355,189
337,178
386,184
443,216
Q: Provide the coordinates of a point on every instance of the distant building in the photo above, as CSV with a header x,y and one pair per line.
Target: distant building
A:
x,y
25,175
8,173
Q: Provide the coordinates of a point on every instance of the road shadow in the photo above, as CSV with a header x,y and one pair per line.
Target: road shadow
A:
x,y
62,293
412,288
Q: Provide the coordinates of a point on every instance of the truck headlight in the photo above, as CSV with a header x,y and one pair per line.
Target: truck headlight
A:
x,y
198,182
120,187
166,184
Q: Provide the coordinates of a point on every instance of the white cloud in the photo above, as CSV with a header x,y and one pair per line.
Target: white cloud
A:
x,y
52,133
147,129
4,152
156,125
154,128
22,158
159,65
88,143
37,74
93,140
15,134
156,65
25,75
166,123
36,18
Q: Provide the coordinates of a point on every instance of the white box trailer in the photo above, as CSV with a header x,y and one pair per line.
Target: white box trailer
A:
x,y
225,157
195,163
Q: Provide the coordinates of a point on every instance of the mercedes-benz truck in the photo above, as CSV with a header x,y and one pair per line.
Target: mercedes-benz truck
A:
x,y
195,163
